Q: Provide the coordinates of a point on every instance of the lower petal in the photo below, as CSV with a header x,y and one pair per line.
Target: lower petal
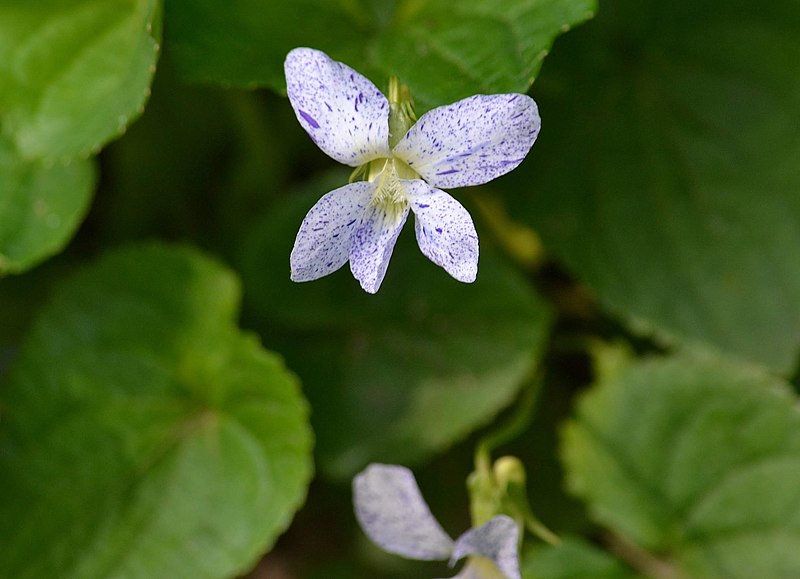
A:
x,y
394,515
373,243
495,540
323,243
445,232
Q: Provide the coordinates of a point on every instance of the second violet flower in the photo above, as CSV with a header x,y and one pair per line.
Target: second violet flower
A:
x,y
467,143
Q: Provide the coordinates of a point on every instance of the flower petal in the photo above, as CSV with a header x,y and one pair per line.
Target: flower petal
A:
x,y
343,112
373,243
323,243
495,540
394,515
472,141
445,232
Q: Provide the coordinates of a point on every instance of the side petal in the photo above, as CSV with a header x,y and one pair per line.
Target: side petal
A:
x,y
343,112
472,141
323,243
495,540
445,232
394,515
373,243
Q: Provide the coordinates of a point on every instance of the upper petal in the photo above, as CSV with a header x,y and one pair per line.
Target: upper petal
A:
x,y
495,540
445,232
373,243
323,243
394,515
342,111
472,141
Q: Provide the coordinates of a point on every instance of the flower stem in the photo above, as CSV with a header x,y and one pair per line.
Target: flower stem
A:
x,y
538,528
501,487
512,428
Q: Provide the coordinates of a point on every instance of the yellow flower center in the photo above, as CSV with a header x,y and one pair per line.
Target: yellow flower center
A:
x,y
390,196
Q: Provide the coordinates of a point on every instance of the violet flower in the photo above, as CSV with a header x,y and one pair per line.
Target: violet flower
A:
x,y
391,510
467,143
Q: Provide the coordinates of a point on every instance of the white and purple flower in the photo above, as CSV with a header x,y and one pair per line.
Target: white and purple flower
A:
x,y
391,510
467,143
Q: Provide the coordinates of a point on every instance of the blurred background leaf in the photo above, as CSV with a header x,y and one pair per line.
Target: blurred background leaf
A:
x,y
443,50
695,460
573,559
143,434
402,374
41,206
73,73
666,174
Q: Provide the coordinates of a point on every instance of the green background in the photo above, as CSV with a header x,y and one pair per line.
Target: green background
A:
x,y
171,405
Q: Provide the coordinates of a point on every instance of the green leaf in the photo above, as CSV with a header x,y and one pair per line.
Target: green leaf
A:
x,y
74,73
573,559
402,374
666,174
443,50
143,434
695,460
41,206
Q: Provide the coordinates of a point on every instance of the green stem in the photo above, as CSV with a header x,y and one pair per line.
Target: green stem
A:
x,y
513,427
538,528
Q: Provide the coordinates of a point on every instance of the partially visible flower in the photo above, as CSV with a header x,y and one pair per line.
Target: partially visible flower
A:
x,y
467,143
393,514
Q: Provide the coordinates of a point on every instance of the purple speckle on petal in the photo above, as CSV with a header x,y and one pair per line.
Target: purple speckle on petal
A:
x,y
321,92
309,119
507,162
423,205
448,172
438,230
351,223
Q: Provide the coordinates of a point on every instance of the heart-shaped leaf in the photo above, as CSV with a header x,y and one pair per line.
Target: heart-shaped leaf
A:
x,y
696,461
144,435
